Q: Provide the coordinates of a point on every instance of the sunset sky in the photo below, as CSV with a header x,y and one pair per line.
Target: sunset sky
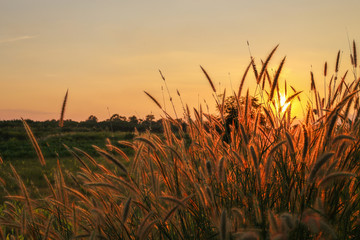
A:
x,y
108,52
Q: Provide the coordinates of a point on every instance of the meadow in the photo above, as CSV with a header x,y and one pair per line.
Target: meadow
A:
x,y
251,171
16,149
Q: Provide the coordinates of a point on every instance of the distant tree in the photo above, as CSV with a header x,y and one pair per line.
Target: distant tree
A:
x,y
117,117
92,118
231,111
150,118
133,119
231,107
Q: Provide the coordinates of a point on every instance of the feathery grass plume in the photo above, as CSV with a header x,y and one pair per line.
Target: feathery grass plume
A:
x,y
256,122
91,159
79,195
336,70
209,79
306,143
247,100
145,140
325,73
354,54
347,110
333,176
167,89
337,62
124,183
325,69
179,202
143,233
118,151
243,80
319,104
254,157
162,76
269,158
34,142
24,192
343,137
355,84
61,120
50,186
268,77
154,100
170,213
126,210
269,117
276,78
263,82
221,168
341,104
289,99
313,87
254,68
245,137
290,142
330,91
339,88
143,222
265,64
60,184
223,225
319,163
103,185
77,157
111,158
182,103
237,156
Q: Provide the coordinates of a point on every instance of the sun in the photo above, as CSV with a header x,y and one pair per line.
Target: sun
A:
x,y
283,105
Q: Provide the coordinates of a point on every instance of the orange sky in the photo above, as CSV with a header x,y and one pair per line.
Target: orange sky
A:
x,y
108,52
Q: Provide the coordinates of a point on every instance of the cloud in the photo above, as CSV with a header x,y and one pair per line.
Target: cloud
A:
x,y
15,39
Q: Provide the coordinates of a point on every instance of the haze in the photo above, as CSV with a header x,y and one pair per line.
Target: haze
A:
x,y
108,52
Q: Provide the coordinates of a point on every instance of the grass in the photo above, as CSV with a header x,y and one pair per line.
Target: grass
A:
x,y
252,172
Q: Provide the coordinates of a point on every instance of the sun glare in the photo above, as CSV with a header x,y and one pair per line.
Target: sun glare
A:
x,y
283,104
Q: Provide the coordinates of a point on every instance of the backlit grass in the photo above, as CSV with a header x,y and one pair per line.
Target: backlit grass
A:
x,y
250,172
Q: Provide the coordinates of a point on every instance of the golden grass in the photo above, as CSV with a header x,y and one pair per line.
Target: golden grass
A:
x,y
255,174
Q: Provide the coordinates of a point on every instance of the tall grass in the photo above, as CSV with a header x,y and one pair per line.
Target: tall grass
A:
x,y
257,175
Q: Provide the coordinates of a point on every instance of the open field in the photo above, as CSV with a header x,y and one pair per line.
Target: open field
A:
x,y
18,151
15,144
251,171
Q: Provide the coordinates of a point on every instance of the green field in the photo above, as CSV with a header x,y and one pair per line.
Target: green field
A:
x,y
19,152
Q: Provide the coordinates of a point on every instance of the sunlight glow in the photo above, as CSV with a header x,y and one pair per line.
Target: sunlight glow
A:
x,y
283,104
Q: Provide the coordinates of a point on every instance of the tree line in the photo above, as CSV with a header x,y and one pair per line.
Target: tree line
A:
x,y
115,123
